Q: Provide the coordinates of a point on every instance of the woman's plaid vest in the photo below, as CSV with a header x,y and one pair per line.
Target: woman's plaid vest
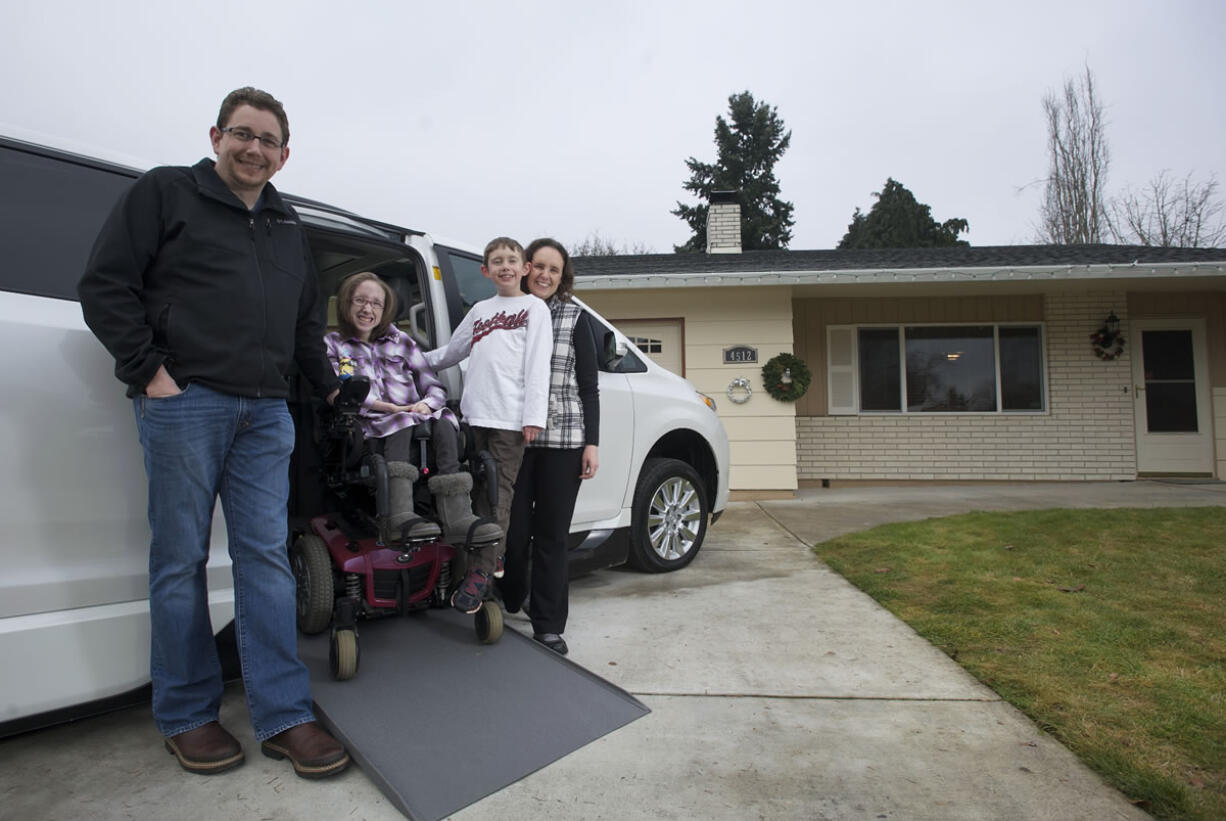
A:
x,y
565,426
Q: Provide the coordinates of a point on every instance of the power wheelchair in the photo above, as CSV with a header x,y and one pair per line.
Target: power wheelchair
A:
x,y
351,563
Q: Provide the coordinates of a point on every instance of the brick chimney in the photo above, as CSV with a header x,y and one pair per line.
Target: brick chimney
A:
x,y
724,223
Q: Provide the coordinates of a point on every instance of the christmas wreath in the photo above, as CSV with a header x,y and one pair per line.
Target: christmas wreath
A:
x,y
786,377
1107,346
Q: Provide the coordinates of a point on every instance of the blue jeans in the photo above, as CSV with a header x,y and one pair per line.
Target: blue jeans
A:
x,y
201,445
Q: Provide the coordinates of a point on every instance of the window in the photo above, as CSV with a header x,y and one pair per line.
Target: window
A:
x,y
646,344
935,369
50,216
463,282
474,286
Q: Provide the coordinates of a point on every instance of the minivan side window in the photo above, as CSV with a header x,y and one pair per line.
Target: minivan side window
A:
x,y
463,282
606,359
50,215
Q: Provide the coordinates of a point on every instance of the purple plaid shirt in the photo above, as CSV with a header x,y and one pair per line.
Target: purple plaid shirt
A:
x,y
398,373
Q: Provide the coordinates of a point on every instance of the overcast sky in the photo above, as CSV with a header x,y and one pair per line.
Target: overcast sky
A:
x,y
472,119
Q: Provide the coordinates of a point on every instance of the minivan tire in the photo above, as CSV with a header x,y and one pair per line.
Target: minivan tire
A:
x,y
669,516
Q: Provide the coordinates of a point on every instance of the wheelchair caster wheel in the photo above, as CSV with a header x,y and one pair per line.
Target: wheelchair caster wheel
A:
x,y
488,622
343,654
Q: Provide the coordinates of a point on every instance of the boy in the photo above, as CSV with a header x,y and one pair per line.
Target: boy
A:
x,y
508,340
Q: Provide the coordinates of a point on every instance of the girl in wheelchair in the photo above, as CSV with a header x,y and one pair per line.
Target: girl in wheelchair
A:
x,y
404,391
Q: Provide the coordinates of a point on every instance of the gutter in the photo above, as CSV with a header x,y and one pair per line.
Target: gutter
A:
x,y
1034,273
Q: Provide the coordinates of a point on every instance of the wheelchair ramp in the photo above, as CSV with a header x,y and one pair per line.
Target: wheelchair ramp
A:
x,y
438,720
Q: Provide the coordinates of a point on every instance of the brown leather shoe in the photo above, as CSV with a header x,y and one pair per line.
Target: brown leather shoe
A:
x,y
313,752
206,750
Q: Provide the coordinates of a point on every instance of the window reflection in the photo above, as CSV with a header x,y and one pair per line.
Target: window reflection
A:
x,y
951,369
1170,383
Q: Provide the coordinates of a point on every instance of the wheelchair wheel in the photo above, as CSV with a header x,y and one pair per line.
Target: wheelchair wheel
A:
x,y
312,568
488,622
343,654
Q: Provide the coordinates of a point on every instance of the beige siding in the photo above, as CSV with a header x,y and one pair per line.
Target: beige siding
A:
x,y
762,431
757,428
780,452
1086,434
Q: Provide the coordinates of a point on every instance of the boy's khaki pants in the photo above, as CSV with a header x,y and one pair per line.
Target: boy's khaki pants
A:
x,y
507,448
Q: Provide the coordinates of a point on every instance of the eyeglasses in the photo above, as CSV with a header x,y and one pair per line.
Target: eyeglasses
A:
x,y
245,136
363,302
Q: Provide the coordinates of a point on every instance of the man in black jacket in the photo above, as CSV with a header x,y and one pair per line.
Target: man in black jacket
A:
x,y
201,285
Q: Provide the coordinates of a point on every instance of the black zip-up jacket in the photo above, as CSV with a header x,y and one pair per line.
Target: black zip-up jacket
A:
x,y
183,274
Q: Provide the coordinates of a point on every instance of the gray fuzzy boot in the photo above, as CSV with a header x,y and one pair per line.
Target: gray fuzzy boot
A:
x,y
452,496
400,479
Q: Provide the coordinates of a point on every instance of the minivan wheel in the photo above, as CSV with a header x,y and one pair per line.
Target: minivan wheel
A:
x,y
669,518
312,568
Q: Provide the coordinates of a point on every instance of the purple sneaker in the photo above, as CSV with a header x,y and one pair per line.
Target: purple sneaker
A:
x,y
468,598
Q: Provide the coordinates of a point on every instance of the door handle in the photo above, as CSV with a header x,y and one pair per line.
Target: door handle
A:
x,y
1138,388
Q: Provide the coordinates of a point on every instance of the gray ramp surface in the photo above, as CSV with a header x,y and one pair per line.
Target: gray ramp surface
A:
x,y
438,720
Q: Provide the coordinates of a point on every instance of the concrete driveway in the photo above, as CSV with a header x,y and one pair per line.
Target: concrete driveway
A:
x,y
778,691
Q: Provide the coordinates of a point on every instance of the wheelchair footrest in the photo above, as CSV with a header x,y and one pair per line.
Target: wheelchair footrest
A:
x,y
470,544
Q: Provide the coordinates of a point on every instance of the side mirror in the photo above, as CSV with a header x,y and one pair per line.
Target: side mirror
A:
x,y
614,351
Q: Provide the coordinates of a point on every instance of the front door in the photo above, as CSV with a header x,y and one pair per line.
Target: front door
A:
x,y
1170,380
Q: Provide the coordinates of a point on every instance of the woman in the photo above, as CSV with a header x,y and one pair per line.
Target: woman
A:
x,y
404,390
558,460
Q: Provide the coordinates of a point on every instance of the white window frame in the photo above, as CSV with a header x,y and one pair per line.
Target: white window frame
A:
x,y
843,374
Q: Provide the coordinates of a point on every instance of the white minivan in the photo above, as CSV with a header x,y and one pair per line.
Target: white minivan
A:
x,y
74,587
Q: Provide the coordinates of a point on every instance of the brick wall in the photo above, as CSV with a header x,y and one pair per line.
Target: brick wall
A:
x,y
1087,433
724,228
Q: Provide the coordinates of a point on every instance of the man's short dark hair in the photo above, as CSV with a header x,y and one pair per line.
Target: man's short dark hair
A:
x,y
256,99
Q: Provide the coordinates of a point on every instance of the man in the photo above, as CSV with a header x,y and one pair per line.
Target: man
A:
x,y
202,287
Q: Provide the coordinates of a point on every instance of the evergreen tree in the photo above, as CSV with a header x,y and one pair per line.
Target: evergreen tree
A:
x,y
897,220
747,149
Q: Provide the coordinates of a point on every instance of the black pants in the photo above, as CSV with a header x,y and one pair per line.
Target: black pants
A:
x,y
544,501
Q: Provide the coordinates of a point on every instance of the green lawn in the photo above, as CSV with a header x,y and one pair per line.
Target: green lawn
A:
x,y
1106,627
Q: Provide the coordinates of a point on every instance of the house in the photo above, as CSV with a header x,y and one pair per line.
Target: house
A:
x,y
940,364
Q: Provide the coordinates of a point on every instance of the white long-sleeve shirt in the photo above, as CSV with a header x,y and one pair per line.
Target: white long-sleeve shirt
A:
x,y
508,341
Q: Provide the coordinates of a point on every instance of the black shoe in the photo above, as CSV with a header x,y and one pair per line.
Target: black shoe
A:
x,y
553,641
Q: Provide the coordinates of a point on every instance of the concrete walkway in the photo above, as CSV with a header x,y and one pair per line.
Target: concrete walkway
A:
x,y
778,691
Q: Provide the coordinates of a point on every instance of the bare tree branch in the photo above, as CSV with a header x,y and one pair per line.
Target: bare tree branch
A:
x,y
1073,212
1170,213
594,245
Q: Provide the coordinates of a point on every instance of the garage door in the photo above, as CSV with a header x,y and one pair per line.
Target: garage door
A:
x,y
660,339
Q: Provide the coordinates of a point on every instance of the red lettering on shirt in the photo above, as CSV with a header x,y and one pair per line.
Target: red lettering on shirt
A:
x,y
501,321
